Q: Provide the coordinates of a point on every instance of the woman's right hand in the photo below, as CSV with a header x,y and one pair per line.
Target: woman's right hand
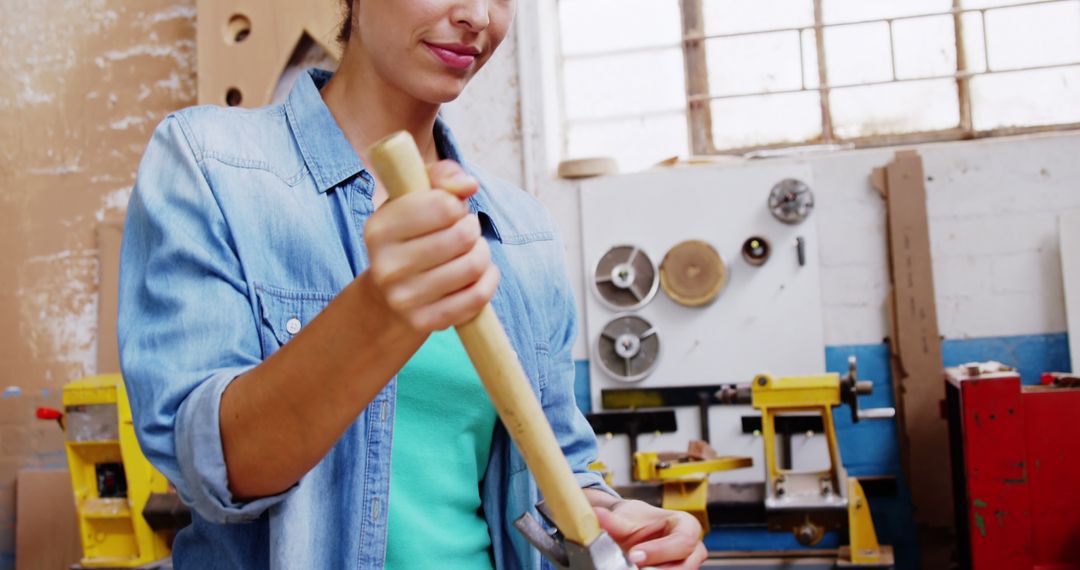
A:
x,y
428,261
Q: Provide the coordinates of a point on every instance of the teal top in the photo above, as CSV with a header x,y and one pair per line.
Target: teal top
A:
x,y
443,426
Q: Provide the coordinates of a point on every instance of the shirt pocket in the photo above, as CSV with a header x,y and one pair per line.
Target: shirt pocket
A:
x,y
284,312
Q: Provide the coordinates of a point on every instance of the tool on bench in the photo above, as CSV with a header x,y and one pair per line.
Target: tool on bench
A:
x,y
583,544
805,503
684,477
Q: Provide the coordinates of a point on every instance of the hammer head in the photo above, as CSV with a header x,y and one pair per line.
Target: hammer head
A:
x,y
603,553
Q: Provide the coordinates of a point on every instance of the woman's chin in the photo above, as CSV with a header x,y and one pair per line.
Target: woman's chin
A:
x,y
442,91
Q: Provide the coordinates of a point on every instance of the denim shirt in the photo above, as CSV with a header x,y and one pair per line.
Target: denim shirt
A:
x,y
242,226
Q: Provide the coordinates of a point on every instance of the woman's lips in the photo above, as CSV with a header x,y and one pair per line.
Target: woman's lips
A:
x,y
452,56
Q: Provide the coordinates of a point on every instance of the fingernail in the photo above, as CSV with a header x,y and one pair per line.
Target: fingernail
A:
x,y
637,556
462,179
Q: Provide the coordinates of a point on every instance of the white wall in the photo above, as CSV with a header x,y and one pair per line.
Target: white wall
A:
x,y
486,119
993,207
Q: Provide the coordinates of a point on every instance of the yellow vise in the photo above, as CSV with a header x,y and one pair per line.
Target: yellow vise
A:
x,y
807,503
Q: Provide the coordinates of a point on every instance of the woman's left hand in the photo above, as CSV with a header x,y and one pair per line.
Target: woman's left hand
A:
x,y
654,537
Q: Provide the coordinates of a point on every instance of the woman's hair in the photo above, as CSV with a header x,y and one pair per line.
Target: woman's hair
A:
x,y
346,25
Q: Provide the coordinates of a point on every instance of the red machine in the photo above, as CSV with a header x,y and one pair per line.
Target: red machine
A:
x,y
1015,467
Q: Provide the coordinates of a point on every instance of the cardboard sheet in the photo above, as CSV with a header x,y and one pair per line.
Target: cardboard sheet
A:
x,y
109,233
915,344
242,46
1070,271
46,526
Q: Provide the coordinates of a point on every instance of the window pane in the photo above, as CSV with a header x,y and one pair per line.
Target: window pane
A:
x,y
835,11
810,61
1028,36
925,47
858,53
590,26
754,64
895,108
636,144
737,16
974,46
1025,98
766,119
632,83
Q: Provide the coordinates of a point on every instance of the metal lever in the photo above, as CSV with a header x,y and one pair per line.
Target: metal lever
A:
x,y
850,390
877,414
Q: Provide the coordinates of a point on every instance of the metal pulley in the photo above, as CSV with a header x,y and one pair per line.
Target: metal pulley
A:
x,y
625,278
791,201
628,348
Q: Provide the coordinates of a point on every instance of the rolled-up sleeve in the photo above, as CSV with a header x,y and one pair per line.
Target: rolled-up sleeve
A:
x,y
186,325
575,435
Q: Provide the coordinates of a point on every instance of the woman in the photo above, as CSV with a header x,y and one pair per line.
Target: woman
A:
x,y
283,328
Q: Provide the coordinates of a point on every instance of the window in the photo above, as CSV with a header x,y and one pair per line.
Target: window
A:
x,y
647,79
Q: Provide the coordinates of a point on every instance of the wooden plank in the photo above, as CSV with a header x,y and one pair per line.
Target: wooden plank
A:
x,y
1070,272
915,344
46,526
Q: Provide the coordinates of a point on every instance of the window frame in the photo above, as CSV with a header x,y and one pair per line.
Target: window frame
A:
x,y
698,100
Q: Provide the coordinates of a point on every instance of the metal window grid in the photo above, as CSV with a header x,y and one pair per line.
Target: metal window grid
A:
x,y
698,110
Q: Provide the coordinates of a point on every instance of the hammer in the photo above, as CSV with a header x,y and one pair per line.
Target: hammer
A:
x,y
584,545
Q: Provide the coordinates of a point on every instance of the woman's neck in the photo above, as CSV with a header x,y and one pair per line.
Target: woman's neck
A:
x,y
367,108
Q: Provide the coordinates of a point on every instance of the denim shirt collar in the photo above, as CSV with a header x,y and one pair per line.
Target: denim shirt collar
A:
x,y
330,157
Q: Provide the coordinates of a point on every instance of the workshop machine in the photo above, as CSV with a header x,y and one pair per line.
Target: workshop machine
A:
x,y
692,270
806,503
126,512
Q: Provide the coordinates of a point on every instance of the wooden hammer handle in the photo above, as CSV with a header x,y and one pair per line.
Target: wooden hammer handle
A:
x,y
399,166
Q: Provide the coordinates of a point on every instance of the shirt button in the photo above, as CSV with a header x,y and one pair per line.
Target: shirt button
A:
x,y
376,508
293,325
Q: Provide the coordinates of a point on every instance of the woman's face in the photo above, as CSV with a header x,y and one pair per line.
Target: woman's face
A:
x,y
429,49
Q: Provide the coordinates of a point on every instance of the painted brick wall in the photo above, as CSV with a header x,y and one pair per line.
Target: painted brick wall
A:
x,y
993,207
84,84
